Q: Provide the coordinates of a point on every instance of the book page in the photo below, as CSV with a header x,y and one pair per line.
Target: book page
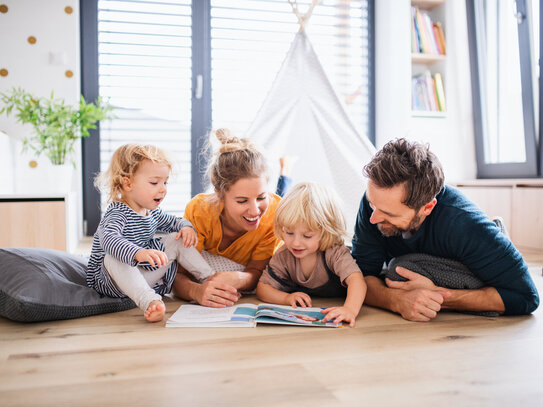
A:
x,y
277,314
198,315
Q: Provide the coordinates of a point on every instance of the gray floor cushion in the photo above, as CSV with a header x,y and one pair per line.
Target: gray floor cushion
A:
x,y
44,285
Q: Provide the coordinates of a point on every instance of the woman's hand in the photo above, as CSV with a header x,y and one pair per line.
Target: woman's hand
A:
x,y
339,314
236,279
216,294
189,236
298,298
155,258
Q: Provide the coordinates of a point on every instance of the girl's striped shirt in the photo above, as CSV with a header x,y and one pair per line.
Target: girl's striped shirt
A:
x,y
122,233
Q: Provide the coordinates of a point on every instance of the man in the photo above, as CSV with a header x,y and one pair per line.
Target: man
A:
x,y
407,209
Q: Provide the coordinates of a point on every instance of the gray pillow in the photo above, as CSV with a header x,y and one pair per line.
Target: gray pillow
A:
x,y
45,285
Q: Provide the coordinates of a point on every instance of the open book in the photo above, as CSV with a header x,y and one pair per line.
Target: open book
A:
x,y
246,315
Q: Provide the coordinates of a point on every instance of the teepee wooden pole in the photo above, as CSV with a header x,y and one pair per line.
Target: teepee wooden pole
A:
x,y
307,15
305,18
294,5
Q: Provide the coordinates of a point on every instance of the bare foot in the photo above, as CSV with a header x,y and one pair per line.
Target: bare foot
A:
x,y
155,311
287,162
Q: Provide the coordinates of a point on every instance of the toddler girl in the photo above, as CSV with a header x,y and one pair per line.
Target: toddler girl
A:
x,y
313,259
126,258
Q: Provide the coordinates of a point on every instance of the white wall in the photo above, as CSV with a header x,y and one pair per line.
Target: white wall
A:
x,y
31,67
450,137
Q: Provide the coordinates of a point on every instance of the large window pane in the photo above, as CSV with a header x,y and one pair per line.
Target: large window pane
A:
x,y
144,56
502,83
535,51
501,46
250,38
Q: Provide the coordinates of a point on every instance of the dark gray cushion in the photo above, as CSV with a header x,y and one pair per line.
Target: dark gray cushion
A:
x,y
45,285
442,272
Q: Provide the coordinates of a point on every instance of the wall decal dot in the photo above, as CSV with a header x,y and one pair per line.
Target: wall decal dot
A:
x,y
3,72
69,74
33,164
68,10
31,40
3,8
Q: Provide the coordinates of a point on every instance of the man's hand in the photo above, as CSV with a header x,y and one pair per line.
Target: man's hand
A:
x,y
414,281
419,304
189,236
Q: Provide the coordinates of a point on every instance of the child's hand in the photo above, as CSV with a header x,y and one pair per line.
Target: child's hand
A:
x,y
339,314
300,298
189,236
155,258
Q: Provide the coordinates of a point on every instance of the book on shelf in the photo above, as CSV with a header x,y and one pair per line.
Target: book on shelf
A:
x,y
440,37
427,37
246,315
432,98
429,32
423,35
421,101
415,34
438,42
440,92
414,40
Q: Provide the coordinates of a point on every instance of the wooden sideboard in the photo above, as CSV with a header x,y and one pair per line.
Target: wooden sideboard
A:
x,y
518,201
35,221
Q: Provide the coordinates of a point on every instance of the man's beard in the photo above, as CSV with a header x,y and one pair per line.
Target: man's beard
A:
x,y
391,230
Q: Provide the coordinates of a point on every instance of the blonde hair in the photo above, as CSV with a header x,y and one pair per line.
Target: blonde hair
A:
x,y
236,158
318,207
125,163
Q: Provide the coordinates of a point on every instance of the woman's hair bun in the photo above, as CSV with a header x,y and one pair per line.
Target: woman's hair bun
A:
x,y
230,142
234,159
225,136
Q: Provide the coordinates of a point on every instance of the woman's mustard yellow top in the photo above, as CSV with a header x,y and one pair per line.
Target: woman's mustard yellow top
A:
x,y
258,244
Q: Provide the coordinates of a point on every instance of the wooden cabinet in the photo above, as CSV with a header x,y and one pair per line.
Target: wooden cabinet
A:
x,y
519,202
527,213
34,221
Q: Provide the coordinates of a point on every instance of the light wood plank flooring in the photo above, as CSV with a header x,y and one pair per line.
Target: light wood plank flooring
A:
x,y
121,360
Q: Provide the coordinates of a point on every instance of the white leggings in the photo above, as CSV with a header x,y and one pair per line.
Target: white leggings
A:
x,y
137,283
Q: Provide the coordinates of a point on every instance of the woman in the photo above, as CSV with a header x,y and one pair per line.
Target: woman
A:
x,y
235,222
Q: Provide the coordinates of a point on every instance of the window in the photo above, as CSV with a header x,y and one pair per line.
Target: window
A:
x,y
501,51
175,68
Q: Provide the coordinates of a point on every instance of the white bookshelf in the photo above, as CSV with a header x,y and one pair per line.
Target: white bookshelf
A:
x,y
434,63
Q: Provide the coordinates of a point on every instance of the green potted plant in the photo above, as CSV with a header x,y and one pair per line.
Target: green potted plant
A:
x,y
57,125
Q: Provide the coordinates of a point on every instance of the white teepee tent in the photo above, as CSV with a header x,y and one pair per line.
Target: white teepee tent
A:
x,y
303,116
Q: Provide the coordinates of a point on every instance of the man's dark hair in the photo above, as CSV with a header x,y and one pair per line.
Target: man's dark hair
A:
x,y
403,161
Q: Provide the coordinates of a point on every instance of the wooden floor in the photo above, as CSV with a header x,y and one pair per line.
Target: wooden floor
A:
x,y
121,360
